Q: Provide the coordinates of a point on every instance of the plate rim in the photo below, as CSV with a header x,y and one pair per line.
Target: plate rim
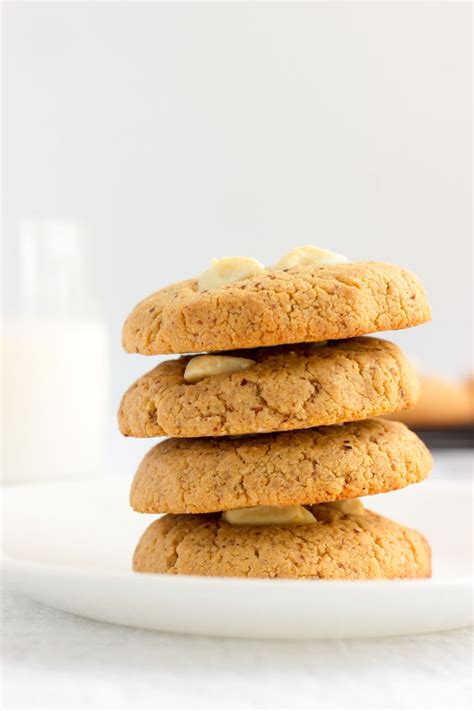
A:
x,y
10,564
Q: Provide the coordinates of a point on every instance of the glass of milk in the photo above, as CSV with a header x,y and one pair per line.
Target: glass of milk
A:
x,y
54,361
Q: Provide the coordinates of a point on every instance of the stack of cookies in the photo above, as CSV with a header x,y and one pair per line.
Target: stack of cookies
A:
x,y
272,430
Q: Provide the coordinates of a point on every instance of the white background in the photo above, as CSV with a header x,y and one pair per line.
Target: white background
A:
x,y
180,132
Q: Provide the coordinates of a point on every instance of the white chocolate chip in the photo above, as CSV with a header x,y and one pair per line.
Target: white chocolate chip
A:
x,y
227,270
205,366
269,516
348,506
309,256
331,511
315,344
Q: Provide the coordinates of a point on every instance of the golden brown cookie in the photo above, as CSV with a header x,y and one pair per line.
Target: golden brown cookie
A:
x,y
336,546
288,388
443,403
297,305
301,467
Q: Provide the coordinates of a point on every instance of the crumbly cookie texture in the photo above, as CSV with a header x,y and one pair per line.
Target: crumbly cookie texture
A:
x,y
301,467
204,475
336,546
311,466
302,304
288,388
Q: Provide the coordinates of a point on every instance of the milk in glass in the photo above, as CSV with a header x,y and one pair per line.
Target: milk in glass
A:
x,y
54,362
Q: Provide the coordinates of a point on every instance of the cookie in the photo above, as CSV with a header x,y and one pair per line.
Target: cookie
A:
x,y
442,404
287,388
336,546
301,467
302,304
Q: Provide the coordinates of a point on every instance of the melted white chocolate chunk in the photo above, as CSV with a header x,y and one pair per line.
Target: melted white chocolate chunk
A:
x,y
336,509
269,516
348,506
309,256
315,344
205,366
227,270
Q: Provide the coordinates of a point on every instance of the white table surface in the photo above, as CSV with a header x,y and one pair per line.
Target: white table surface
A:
x,y
52,660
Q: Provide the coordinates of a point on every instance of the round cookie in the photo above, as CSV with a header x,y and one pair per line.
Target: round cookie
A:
x,y
288,388
302,304
301,467
336,546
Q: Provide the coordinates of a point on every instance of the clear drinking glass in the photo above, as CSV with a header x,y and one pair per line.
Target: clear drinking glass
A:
x,y
54,361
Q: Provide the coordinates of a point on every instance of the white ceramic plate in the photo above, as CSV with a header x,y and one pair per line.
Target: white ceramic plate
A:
x,y
69,545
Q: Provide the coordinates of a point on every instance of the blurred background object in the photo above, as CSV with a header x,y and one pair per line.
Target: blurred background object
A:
x,y
184,131
54,360
444,413
442,403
